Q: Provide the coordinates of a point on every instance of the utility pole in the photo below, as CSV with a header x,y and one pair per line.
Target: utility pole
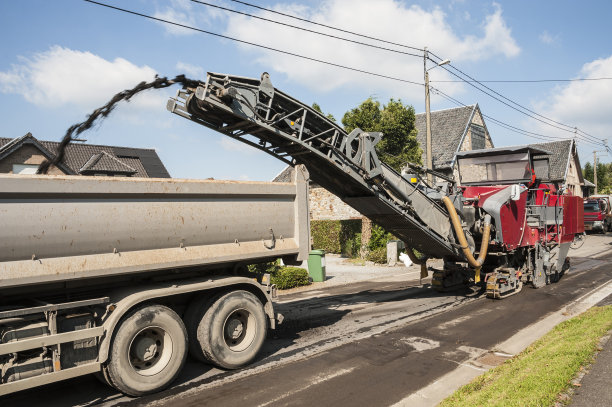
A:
x,y
595,170
428,152
595,163
429,159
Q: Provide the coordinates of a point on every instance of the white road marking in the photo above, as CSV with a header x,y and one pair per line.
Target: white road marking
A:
x,y
420,344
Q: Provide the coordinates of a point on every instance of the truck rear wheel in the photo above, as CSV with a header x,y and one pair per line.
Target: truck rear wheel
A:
x,y
231,331
193,315
148,351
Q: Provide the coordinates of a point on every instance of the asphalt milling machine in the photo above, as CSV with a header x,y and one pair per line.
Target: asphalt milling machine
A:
x,y
500,227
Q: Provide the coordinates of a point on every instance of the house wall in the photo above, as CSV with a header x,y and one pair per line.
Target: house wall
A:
x,y
26,155
324,205
466,145
573,179
467,141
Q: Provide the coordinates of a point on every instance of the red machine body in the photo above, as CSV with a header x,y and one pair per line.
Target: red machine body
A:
x,y
533,222
516,230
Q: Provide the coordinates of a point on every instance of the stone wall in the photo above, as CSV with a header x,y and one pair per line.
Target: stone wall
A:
x,y
326,206
27,154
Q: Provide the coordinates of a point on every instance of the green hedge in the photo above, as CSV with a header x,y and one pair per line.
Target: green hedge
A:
x,y
337,236
284,277
344,237
290,277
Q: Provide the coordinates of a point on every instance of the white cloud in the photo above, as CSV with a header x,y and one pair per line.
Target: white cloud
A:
x,y
196,72
387,19
547,38
61,76
181,12
186,13
585,104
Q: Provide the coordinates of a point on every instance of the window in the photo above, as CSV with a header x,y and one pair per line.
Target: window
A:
x,y
591,206
25,168
478,137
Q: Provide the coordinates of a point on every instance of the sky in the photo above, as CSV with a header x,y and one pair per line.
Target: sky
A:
x,y
61,59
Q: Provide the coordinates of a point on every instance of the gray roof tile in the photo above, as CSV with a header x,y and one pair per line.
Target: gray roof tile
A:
x,y
285,175
558,160
447,129
145,162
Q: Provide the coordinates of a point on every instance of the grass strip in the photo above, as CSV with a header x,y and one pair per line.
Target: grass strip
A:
x,y
541,372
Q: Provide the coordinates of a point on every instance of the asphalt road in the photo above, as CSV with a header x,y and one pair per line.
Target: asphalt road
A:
x,y
364,344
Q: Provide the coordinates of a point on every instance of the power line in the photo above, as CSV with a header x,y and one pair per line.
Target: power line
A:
x,y
305,29
254,44
506,125
327,26
521,109
471,80
524,80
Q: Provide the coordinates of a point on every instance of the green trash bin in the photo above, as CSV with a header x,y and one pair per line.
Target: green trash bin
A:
x,y
316,265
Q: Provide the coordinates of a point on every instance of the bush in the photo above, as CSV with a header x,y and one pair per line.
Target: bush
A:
x,y
352,246
337,236
378,255
379,239
290,277
283,277
260,269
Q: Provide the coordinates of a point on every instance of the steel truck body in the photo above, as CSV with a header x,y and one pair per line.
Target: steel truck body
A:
x,y
123,276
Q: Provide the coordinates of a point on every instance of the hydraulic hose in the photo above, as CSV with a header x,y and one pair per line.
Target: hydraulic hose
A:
x,y
476,263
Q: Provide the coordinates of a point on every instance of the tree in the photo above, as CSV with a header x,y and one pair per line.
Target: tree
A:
x,y
316,107
395,121
397,147
587,171
604,176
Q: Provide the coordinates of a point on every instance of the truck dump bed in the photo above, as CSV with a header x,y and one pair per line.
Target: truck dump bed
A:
x,y
72,227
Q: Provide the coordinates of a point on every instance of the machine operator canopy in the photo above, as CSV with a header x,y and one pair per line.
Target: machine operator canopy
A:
x,y
503,165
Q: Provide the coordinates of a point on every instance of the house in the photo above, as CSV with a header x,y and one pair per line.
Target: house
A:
x,y
564,166
588,189
24,154
452,131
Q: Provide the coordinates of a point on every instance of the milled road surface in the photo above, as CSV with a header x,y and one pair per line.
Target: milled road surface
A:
x,y
364,344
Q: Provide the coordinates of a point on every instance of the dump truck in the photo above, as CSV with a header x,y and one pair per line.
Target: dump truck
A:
x,y
123,276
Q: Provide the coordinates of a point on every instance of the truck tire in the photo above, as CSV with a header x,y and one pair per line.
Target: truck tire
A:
x,y
231,331
193,315
148,351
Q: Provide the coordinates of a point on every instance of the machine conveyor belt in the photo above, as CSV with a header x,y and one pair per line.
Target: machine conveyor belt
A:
x,y
254,112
